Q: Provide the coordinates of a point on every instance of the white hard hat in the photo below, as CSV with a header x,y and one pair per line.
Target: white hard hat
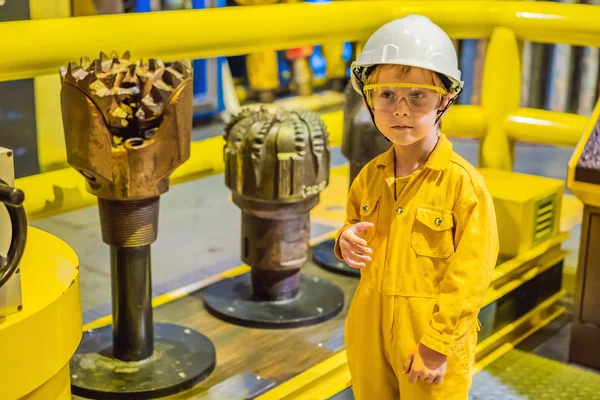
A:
x,y
413,40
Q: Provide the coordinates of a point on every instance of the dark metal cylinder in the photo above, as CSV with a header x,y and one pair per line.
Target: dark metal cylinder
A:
x,y
133,332
10,195
275,285
12,199
276,249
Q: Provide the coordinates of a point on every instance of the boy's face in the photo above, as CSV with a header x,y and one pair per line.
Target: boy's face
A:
x,y
406,115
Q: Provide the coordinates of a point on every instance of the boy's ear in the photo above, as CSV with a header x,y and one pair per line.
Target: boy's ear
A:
x,y
444,103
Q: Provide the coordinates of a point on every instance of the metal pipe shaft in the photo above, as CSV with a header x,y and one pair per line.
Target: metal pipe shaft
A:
x,y
276,249
133,334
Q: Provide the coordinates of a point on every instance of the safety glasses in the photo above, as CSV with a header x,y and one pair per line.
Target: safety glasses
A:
x,y
420,98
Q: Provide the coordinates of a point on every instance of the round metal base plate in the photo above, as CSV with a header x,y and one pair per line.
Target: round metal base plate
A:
x,y
182,357
231,300
324,257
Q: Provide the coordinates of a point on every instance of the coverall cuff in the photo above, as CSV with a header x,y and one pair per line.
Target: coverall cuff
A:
x,y
435,343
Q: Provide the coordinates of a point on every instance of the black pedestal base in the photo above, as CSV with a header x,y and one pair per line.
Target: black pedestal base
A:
x,y
182,357
231,300
324,257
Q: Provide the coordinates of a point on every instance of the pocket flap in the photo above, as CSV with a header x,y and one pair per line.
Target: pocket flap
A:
x,y
368,204
435,219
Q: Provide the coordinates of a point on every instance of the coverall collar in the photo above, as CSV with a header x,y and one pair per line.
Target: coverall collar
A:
x,y
438,160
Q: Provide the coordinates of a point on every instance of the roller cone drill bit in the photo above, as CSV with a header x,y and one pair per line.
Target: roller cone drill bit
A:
x,y
127,128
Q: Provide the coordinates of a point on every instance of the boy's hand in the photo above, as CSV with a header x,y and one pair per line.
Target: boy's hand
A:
x,y
354,247
425,364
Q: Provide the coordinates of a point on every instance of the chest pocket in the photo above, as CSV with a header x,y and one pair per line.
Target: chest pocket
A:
x,y
432,234
369,212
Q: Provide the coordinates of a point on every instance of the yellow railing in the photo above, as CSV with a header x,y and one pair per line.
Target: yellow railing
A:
x,y
45,44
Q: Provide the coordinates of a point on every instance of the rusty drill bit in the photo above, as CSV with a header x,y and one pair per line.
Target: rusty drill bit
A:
x,y
127,128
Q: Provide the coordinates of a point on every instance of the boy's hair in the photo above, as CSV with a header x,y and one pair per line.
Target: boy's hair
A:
x,y
402,70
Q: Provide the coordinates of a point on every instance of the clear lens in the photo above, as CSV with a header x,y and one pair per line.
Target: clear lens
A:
x,y
384,98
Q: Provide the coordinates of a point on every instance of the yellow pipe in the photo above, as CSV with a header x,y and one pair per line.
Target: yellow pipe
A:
x,y
44,45
464,121
500,94
532,125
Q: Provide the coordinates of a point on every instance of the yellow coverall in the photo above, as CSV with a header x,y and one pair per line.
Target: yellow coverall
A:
x,y
434,252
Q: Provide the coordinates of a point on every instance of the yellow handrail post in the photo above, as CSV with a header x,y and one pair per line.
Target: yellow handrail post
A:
x,y
50,137
261,67
500,94
335,64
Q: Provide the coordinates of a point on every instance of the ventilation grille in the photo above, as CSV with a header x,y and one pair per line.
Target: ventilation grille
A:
x,y
545,214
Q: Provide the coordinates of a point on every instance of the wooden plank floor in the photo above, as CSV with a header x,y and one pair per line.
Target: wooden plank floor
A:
x,y
274,355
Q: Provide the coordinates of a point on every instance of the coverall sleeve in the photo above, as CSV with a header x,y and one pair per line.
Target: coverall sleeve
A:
x,y
352,211
467,279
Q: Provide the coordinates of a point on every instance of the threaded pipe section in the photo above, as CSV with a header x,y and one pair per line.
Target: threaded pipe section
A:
x,y
275,285
129,223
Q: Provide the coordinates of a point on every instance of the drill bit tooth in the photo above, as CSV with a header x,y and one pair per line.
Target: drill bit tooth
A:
x,y
63,72
149,109
99,89
85,62
179,67
114,61
118,115
130,77
126,55
152,65
149,79
131,69
109,80
161,92
97,65
155,64
118,80
172,78
80,74
114,55
70,68
103,57
87,80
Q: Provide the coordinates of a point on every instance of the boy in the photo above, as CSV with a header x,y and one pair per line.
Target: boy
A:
x,y
420,225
